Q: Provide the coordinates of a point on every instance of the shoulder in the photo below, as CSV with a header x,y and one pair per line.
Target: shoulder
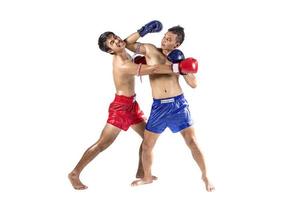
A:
x,y
150,49
124,66
149,46
118,62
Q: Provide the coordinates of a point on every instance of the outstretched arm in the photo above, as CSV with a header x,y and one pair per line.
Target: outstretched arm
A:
x,y
163,69
143,69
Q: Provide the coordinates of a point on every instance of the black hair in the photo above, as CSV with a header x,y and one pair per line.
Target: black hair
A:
x,y
102,41
179,31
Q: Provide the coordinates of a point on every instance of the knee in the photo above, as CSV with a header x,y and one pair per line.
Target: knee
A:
x,y
146,146
191,143
101,145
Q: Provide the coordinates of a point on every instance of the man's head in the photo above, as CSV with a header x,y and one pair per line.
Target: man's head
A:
x,y
173,38
111,43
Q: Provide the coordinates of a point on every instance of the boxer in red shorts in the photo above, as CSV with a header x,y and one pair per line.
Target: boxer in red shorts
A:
x,y
124,111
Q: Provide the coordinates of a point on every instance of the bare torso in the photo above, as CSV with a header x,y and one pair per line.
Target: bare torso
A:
x,y
163,85
124,82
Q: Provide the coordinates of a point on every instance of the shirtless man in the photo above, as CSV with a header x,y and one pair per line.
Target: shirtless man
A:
x,y
124,111
169,109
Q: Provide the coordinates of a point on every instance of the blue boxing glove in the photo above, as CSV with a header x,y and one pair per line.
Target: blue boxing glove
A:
x,y
151,27
175,56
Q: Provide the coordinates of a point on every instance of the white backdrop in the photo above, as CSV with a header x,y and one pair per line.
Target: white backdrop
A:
x,y
56,87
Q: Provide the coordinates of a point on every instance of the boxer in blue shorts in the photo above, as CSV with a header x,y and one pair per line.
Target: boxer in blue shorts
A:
x,y
169,112
169,109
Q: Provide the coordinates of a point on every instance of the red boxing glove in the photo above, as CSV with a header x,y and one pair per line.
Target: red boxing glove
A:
x,y
189,65
140,60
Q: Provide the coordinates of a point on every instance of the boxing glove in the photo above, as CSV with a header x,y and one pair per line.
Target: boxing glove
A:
x,y
140,60
186,66
151,27
175,56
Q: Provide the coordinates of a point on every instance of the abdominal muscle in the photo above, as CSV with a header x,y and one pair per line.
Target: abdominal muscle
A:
x,y
165,85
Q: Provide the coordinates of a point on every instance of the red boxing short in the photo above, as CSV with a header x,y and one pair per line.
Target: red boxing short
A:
x,y
124,112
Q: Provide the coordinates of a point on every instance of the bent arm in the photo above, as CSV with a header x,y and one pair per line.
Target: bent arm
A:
x,y
133,38
133,45
191,80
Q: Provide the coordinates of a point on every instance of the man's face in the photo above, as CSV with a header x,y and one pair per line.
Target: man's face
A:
x,y
115,43
169,41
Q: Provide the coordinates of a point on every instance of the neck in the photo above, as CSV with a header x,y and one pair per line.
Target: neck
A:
x,y
123,54
165,51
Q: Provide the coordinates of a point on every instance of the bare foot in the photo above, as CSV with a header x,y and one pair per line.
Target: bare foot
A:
x,y
142,182
140,176
75,181
209,187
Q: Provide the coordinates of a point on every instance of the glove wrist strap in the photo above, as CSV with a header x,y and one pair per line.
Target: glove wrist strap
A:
x,y
175,68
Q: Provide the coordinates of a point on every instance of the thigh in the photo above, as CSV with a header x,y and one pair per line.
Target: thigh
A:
x,y
188,134
150,138
180,119
139,128
109,133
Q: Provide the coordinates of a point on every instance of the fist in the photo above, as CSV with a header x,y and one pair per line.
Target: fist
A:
x,y
151,27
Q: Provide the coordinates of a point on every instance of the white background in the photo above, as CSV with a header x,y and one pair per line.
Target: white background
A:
x,y
56,87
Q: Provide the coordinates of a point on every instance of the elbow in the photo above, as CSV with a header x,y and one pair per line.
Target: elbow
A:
x,y
193,84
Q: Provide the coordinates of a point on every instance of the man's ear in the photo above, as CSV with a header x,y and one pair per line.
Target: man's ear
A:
x,y
177,45
110,51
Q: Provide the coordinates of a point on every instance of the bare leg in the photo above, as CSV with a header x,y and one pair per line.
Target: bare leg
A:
x,y
147,147
108,136
190,139
140,128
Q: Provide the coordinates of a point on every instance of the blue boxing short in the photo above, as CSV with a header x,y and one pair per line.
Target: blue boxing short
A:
x,y
170,112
